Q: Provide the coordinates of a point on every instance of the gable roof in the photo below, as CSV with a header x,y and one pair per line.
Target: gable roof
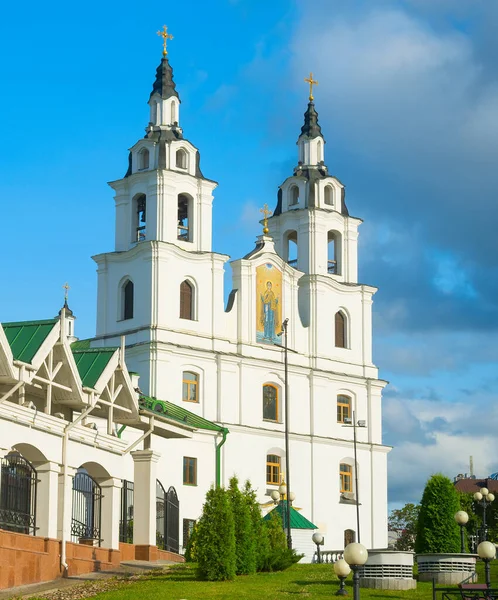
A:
x,y
297,521
91,363
26,337
177,413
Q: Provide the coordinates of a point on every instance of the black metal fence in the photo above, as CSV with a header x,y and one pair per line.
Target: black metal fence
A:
x,y
87,508
126,517
18,494
167,519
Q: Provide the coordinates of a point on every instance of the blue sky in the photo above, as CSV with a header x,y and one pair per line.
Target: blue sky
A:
x,y
408,104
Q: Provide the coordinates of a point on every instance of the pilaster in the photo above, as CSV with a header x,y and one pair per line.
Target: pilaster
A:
x,y
47,499
111,505
65,499
145,477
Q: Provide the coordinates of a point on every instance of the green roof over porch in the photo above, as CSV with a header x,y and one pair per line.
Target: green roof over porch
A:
x,y
297,521
177,413
26,337
91,363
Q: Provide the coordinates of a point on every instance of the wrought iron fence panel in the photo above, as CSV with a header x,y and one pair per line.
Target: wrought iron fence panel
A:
x,y
160,516
87,508
172,535
126,520
18,494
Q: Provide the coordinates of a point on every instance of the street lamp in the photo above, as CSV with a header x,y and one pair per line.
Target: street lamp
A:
x,y
356,555
318,540
342,570
348,422
487,552
462,518
484,497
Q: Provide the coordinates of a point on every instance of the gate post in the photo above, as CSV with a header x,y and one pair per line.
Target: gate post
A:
x,y
144,511
111,508
47,499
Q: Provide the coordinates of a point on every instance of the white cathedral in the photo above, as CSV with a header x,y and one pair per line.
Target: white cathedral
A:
x,y
109,445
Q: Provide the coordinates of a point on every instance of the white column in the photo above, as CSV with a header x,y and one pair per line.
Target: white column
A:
x,y
47,499
65,497
144,497
111,505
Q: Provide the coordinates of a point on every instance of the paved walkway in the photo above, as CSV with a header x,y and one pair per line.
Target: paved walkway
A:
x,y
126,570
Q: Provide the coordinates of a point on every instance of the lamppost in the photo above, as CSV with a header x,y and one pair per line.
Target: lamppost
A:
x,y
287,458
356,555
487,552
342,570
318,540
484,497
462,518
281,495
348,422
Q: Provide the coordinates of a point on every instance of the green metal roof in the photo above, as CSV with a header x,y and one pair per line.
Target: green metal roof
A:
x,y
177,413
297,521
91,363
81,344
26,337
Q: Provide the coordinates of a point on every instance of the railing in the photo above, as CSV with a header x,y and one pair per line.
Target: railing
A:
x,y
292,263
141,233
332,267
328,556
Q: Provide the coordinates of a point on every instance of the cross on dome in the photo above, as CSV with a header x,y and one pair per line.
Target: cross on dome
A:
x,y
166,36
312,82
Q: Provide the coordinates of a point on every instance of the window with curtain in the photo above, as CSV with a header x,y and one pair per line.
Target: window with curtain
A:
x,y
340,330
270,402
189,470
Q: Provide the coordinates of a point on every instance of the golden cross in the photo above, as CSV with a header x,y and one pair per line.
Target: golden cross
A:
x,y
267,213
166,36
312,82
66,289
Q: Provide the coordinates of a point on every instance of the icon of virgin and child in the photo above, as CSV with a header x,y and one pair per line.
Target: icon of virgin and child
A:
x,y
269,307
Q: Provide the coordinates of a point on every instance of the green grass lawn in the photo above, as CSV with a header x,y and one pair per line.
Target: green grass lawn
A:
x,y
300,581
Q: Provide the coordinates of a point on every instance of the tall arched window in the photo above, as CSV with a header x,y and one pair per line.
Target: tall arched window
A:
x,y
328,195
293,195
143,159
272,469
181,159
270,402
184,218
128,294
141,218
340,329
292,248
343,408
190,391
346,478
186,300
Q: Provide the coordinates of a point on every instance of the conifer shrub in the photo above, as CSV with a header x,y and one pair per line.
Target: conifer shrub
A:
x,y
215,538
245,535
279,556
262,542
190,555
437,530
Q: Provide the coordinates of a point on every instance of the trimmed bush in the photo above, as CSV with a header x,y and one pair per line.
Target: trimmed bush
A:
x,y
245,541
437,530
262,543
215,538
279,556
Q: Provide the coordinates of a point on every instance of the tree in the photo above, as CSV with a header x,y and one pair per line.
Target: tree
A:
x,y
215,538
404,522
262,549
245,542
437,530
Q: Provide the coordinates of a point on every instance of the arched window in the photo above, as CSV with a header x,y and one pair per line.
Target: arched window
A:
x,y
346,478
343,408
293,195
334,252
128,294
270,402
340,330
328,195
181,159
272,469
143,159
184,219
349,536
141,218
186,300
292,248
190,391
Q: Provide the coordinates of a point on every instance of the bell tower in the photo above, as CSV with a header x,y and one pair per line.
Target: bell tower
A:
x,y
311,225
